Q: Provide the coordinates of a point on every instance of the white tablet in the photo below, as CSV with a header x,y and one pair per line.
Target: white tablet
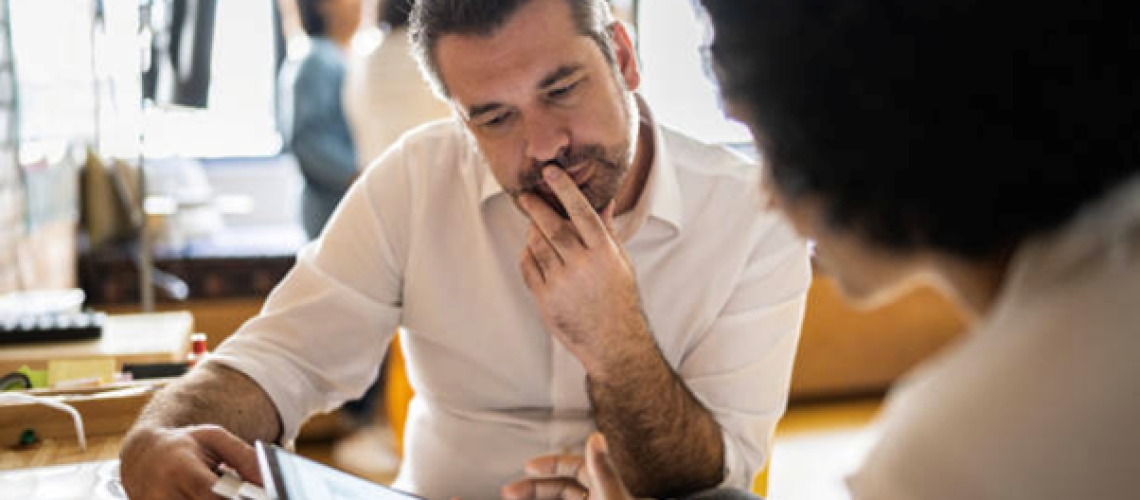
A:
x,y
288,476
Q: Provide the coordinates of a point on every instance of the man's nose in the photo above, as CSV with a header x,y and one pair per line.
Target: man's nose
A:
x,y
546,138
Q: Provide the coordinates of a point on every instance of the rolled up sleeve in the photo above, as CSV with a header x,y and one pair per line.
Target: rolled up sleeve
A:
x,y
741,368
322,335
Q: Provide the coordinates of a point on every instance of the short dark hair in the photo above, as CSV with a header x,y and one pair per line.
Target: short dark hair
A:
x,y
395,13
965,126
432,19
312,21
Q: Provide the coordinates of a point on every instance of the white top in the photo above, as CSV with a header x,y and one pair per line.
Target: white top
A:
x,y
1043,399
430,241
386,96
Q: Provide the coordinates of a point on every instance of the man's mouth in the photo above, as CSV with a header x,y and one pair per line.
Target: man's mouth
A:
x,y
579,173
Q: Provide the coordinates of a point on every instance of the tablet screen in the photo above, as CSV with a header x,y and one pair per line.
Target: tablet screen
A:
x,y
292,477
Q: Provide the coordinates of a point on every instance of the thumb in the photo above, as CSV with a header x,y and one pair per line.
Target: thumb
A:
x,y
608,218
232,451
605,481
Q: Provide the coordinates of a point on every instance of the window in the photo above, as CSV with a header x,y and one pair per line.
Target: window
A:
x,y
239,119
52,51
85,81
674,79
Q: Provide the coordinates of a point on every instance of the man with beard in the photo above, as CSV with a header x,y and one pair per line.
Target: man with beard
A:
x,y
559,264
989,150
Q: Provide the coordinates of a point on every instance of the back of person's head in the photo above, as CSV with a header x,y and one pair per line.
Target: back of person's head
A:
x,y
433,19
962,126
395,13
312,19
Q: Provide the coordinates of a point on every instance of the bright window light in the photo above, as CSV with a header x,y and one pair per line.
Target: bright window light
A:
x,y
240,117
675,82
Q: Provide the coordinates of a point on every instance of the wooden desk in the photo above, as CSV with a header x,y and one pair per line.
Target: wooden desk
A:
x,y
129,338
105,413
60,451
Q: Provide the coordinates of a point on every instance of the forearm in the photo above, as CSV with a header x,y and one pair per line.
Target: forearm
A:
x,y
661,438
215,394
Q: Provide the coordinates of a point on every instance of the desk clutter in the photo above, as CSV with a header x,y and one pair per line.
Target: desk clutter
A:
x,y
29,418
127,339
60,399
47,316
49,330
51,327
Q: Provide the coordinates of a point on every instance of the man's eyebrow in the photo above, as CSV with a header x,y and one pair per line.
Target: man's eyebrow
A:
x,y
481,109
558,74
561,72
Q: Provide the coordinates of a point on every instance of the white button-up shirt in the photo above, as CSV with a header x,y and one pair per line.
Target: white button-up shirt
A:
x,y
1042,400
427,240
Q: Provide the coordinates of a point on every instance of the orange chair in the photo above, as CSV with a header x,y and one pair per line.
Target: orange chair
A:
x,y
397,392
760,483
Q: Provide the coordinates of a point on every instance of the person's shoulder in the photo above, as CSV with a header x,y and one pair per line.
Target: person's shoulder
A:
x,y
691,156
430,153
714,180
701,166
433,137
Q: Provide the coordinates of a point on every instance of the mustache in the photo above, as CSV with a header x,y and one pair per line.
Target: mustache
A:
x,y
530,179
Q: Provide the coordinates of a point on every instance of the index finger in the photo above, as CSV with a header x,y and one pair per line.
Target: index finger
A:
x,y
605,480
232,451
570,466
582,215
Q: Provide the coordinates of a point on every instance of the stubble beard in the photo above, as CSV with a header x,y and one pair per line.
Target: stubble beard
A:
x,y
610,167
612,164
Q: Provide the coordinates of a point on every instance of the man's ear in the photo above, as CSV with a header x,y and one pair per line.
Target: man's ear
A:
x,y
626,57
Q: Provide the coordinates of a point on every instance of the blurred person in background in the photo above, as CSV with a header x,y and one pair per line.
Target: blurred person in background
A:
x,y
992,149
385,93
319,134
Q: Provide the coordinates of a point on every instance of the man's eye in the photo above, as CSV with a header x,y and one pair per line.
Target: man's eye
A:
x,y
561,92
497,120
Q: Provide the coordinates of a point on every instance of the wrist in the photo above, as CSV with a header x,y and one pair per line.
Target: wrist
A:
x,y
627,361
140,438
618,343
143,432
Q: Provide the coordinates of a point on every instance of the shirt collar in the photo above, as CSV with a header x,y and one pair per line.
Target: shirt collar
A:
x,y
1101,234
660,199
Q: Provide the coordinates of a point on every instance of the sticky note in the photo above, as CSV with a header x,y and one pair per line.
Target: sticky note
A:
x,y
60,371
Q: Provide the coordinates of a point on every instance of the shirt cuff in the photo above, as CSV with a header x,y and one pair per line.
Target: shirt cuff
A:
x,y
738,473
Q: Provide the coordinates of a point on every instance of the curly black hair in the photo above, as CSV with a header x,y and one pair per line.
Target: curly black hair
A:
x,y
964,126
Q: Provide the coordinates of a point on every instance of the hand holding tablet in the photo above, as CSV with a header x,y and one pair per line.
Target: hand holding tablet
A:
x,y
291,477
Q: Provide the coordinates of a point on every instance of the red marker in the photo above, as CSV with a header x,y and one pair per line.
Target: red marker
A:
x,y
198,348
